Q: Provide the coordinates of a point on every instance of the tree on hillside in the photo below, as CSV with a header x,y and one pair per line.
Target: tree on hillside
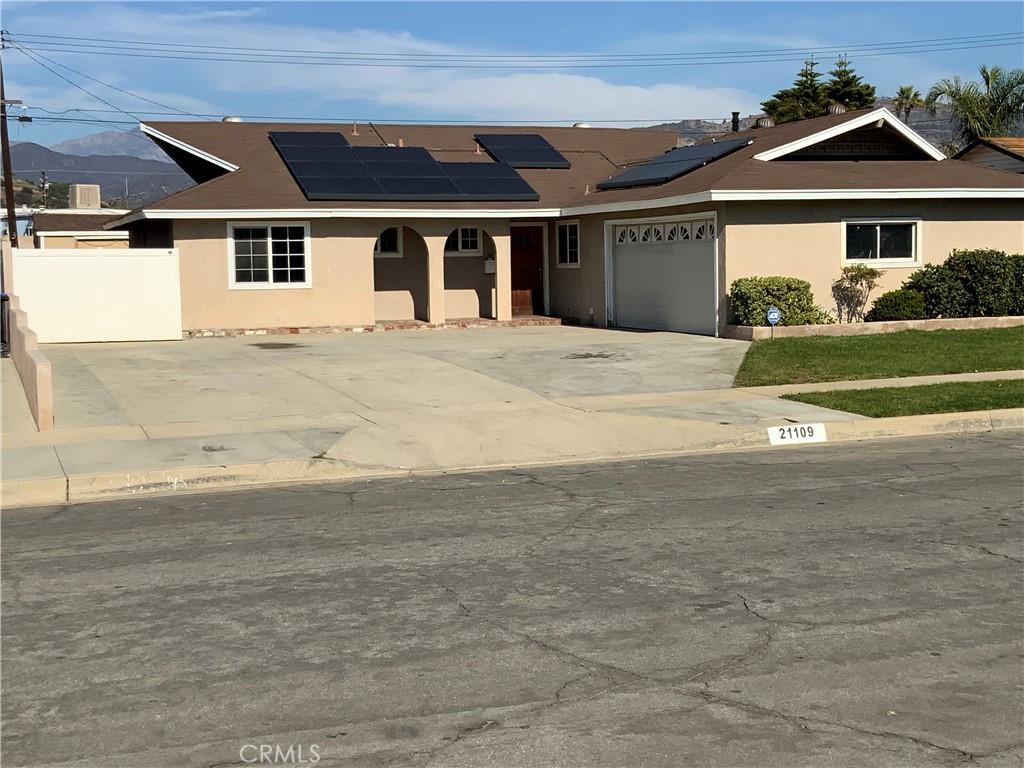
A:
x,y
907,98
806,98
993,107
846,87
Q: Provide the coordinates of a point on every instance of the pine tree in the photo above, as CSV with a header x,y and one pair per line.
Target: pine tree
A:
x,y
805,99
846,87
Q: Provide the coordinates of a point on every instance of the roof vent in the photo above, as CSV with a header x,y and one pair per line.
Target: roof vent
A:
x,y
836,109
231,119
765,122
581,125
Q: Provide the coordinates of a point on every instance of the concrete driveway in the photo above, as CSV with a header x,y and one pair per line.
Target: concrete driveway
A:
x,y
153,417
261,376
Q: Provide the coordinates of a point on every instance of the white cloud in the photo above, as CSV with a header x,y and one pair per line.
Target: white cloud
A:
x,y
468,94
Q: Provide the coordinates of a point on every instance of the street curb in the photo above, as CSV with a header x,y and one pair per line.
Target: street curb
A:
x,y
120,485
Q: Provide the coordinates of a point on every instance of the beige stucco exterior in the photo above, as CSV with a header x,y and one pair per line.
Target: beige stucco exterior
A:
x,y
44,240
796,239
805,240
348,286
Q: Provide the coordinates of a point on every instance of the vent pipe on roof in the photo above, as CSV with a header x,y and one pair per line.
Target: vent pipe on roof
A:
x,y
355,129
401,141
836,109
735,121
765,122
231,119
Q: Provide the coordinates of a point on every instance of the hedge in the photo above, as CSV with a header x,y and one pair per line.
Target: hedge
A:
x,y
750,298
903,304
972,283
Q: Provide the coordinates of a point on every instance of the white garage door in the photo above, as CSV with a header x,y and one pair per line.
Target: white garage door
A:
x,y
664,276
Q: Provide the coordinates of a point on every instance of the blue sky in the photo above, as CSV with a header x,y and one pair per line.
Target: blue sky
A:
x,y
640,95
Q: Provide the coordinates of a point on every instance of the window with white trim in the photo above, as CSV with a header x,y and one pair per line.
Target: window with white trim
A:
x,y
881,241
463,240
569,244
389,244
268,256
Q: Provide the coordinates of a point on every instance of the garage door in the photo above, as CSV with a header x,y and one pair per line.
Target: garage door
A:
x,y
664,276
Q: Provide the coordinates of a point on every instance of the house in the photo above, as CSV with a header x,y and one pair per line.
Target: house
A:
x,y
1003,153
352,225
80,225
77,228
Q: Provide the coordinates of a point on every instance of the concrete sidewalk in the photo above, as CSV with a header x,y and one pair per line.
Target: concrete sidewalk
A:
x,y
104,462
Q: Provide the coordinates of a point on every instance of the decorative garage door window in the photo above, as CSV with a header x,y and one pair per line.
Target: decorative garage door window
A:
x,y
668,232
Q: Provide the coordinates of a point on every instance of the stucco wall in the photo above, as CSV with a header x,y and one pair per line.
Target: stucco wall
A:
x,y
800,239
70,241
342,274
575,291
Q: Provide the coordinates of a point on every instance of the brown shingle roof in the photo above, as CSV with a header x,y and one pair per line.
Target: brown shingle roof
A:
x,y
263,181
72,222
1014,144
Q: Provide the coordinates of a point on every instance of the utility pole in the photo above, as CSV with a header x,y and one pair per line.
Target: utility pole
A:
x,y
12,217
5,149
45,186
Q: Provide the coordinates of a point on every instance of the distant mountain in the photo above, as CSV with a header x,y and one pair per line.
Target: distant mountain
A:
x,y
148,180
132,143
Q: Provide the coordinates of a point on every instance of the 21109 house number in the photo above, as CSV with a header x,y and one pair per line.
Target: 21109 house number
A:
x,y
797,433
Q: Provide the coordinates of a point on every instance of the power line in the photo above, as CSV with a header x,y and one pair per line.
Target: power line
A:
x,y
73,83
425,56
179,53
120,90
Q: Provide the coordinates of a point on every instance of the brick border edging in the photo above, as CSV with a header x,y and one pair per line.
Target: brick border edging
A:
x,y
396,325
33,368
758,333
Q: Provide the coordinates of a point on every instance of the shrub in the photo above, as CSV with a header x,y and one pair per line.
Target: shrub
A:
x,y
988,277
944,295
852,289
1017,268
904,304
750,298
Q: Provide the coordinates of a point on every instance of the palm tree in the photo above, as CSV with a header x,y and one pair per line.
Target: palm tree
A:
x,y
907,98
990,108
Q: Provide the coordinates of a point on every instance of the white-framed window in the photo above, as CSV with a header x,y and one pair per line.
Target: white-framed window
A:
x,y
882,242
389,244
464,241
569,244
269,254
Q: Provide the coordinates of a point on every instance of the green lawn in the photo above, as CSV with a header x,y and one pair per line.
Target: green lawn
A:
x,y
880,356
929,398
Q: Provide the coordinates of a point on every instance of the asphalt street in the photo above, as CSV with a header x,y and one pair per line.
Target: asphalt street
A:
x,y
839,605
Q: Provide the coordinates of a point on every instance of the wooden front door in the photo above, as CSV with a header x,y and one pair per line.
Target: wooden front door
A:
x,y
528,270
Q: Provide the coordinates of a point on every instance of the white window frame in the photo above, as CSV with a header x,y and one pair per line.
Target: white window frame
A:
x,y
911,263
458,243
558,245
390,254
270,285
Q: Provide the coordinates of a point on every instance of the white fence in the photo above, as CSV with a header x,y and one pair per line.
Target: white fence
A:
x,y
104,294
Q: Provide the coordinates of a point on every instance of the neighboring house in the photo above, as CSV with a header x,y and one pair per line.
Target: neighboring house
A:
x,y
77,228
349,225
1001,153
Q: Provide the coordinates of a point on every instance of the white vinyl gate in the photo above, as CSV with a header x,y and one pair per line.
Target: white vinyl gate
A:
x,y
664,276
99,294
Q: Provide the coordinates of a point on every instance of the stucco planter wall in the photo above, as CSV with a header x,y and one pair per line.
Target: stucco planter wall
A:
x,y
756,333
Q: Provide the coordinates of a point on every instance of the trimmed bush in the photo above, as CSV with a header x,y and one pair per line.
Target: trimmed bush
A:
x,y
973,283
944,295
904,304
750,298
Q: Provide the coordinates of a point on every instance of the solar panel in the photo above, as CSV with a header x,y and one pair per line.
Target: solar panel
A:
x,y
672,164
337,171
522,150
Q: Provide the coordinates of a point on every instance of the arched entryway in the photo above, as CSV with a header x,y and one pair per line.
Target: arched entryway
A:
x,y
400,275
469,274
